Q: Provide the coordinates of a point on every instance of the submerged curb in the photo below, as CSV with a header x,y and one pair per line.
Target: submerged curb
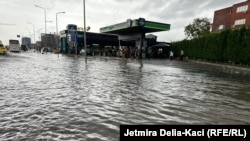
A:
x,y
226,68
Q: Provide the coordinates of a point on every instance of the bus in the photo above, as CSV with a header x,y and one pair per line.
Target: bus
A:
x,y
14,46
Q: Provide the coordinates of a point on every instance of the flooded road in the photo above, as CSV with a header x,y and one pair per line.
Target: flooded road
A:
x,y
51,97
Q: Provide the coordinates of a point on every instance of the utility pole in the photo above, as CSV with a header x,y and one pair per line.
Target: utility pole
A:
x,y
85,40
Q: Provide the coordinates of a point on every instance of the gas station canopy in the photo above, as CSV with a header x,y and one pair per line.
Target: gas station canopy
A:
x,y
135,26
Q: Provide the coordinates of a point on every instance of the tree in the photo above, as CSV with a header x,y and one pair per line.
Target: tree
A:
x,y
199,28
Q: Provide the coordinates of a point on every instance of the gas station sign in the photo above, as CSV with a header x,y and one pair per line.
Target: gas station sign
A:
x,y
72,32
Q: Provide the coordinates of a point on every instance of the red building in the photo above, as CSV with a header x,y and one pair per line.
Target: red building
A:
x,y
232,17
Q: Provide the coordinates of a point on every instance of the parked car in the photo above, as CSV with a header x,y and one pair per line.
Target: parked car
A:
x,y
3,50
24,48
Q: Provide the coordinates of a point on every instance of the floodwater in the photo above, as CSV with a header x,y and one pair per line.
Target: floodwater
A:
x,y
59,97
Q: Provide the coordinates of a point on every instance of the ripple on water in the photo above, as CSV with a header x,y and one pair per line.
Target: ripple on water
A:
x,y
46,97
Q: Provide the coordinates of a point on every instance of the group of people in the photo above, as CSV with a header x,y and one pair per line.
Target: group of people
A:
x,y
171,55
128,52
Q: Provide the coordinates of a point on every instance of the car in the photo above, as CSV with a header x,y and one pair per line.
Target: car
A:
x,y
3,50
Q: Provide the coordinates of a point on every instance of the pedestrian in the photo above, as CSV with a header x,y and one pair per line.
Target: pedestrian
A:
x,y
160,52
182,55
149,53
124,52
171,55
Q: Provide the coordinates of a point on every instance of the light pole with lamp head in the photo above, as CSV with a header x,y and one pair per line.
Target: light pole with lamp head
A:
x,y
38,47
45,17
33,31
57,22
85,40
27,43
38,32
57,29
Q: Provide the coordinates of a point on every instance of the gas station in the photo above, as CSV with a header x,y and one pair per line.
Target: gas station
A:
x,y
135,31
131,34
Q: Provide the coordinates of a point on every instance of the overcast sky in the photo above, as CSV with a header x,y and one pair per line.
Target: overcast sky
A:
x,y
101,13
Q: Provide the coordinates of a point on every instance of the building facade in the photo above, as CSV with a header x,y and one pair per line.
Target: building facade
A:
x,y
49,41
27,42
235,16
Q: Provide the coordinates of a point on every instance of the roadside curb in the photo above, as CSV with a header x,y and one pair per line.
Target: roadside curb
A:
x,y
226,68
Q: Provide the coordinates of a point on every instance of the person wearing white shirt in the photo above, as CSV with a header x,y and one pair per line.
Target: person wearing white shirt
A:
x,y
171,55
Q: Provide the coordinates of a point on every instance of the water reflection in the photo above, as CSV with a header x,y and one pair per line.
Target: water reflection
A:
x,y
62,98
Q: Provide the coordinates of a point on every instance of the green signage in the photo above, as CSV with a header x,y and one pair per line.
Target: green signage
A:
x,y
137,23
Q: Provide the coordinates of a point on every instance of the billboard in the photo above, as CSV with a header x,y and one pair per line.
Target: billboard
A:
x,y
72,32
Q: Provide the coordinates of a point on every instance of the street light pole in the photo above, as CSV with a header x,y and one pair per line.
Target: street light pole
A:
x,y
56,21
84,19
33,31
29,32
38,47
57,45
27,43
45,17
38,31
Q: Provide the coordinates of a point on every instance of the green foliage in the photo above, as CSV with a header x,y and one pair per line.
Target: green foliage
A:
x,y
226,46
199,28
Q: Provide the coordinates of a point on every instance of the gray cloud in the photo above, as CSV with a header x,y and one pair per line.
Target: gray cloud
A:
x,y
101,13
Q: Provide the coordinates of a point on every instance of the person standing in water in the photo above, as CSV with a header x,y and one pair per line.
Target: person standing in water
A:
x,y
182,55
171,55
